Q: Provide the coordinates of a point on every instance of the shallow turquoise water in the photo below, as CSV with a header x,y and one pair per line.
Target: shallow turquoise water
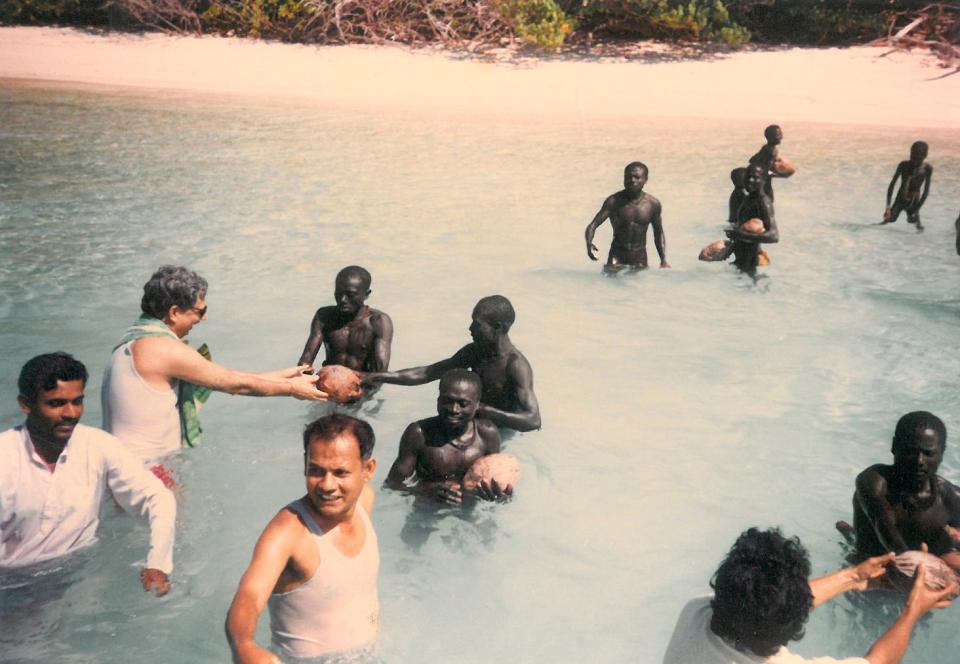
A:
x,y
680,406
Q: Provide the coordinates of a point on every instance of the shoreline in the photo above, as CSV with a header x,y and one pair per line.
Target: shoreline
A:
x,y
789,85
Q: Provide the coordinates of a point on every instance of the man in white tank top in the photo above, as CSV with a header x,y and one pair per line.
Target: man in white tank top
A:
x,y
315,565
143,385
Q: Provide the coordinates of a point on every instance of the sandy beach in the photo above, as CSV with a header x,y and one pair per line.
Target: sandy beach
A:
x,y
849,86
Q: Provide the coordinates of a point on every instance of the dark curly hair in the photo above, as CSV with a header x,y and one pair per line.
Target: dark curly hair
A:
x,y
43,371
171,285
762,592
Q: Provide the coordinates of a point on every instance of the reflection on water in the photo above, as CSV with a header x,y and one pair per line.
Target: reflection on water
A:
x,y
680,406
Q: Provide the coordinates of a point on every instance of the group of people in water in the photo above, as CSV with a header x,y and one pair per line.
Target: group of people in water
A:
x,y
315,564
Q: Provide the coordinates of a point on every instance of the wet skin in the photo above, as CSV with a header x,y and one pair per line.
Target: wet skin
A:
x,y
353,334
440,449
757,205
765,157
901,506
508,396
631,211
915,175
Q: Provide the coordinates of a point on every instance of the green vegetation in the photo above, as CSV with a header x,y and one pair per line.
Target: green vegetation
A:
x,y
546,24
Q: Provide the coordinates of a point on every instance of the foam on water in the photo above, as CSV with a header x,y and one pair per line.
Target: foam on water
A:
x,y
679,407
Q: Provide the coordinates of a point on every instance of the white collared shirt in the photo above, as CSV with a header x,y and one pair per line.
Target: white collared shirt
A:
x,y
45,515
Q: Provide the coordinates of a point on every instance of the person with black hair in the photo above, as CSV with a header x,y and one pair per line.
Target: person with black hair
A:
x,y
55,472
901,506
915,175
508,399
763,597
353,334
630,211
315,565
767,155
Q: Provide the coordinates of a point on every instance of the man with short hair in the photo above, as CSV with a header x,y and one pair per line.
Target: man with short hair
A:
x,y
767,155
154,384
762,599
915,175
508,397
315,565
900,507
631,211
353,334
439,450
54,473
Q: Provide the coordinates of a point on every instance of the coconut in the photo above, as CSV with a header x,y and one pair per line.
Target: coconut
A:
x,y
502,467
341,383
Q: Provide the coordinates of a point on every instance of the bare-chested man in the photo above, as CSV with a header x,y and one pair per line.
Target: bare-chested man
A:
x,y
355,335
915,175
766,155
508,397
630,211
899,507
440,449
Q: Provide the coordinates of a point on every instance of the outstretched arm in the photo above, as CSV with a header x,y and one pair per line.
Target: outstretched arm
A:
x,y
891,647
527,418
421,375
270,557
871,495
659,239
314,341
825,588
592,227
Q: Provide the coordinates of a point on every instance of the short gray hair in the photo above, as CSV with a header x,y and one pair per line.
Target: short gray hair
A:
x,y
171,286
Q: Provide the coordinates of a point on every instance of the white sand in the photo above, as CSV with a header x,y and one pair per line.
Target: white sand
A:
x,y
852,85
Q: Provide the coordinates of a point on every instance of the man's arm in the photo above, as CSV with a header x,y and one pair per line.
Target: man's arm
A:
x,y
893,183
927,177
871,495
825,588
314,340
421,375
270,557
382,338
659,240
140,493
528,417
770,233
891,647
591,229
170,359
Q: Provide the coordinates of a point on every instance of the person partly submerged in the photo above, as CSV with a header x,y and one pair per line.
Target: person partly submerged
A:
x,y
315,565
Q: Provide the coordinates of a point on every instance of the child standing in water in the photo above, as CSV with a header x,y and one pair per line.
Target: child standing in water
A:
x,y
914,174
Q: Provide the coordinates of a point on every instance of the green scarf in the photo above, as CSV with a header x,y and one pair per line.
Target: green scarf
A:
x,y
190,397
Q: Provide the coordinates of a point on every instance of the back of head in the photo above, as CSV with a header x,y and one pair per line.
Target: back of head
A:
x,y
910,425
497,309
169,286
332,426
355,272
761,592
43,371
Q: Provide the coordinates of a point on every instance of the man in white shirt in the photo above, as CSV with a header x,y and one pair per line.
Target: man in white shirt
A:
x,y
762,598
54,473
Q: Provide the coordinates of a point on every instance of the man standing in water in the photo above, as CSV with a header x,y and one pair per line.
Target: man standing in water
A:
x,y
508,397
54,473
154,384
440,449
914,174
900,507
315,565
354,335
767,155
630,211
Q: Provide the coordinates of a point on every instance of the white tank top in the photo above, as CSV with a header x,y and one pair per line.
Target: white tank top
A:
x,y
144,418
337,609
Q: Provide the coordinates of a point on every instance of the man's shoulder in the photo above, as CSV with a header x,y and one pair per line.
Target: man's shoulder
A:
x,y
325,313
873,477
946,486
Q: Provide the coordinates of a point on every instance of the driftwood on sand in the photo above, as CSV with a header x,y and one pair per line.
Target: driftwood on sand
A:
x,y
935,26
